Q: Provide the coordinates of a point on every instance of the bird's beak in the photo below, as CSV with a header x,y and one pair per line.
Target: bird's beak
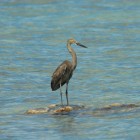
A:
x,y
79,44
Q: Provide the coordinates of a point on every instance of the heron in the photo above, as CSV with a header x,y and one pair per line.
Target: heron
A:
x,y
64,71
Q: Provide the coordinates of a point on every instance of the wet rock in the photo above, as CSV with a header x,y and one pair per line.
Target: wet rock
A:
x,y
118,105
37,111
54,109
63,109
52,105
80,109
114,109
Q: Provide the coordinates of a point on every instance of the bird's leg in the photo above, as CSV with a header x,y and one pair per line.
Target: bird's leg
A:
x,y
67,94
61,94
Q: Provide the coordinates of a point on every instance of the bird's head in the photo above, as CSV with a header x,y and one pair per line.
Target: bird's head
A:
x,y
73,41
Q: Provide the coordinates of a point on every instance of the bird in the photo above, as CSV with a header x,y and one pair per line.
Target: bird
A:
x,y
64,71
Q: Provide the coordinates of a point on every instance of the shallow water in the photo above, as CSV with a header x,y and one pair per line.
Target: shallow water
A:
x,y
33,38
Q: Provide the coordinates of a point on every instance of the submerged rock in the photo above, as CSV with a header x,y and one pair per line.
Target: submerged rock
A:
x,y
80,109
114,108
54,109
119,106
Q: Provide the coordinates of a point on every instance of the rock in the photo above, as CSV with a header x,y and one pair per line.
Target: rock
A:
x,y
52,106
37,111
63,109
54,109
79,109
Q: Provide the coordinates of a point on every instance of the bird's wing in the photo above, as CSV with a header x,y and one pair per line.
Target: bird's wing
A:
x,y
60,71
61,74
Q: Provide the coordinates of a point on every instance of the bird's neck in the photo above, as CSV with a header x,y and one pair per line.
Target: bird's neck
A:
x,y
73,54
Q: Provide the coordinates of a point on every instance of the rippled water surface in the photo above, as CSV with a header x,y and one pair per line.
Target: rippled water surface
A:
x,y
33,38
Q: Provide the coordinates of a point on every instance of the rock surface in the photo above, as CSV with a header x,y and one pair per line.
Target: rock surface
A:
x,y
80,109
54,109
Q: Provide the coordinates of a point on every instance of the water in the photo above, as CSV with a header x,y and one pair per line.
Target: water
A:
x,y
33,37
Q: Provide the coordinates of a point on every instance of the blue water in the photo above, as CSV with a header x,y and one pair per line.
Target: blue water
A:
x,y
33,37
